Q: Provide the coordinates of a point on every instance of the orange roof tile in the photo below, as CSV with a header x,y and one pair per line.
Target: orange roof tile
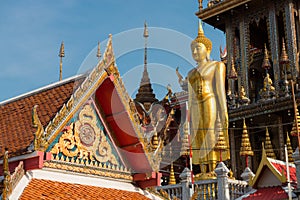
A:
x,y
45,189
16,131
268,193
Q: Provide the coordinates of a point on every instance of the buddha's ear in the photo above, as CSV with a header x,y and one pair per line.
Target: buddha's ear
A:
x,y
207,56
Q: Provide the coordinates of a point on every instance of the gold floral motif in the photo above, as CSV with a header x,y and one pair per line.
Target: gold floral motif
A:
x,y
85,140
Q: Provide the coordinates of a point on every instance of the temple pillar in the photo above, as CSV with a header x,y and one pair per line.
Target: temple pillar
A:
x,y
290,31
229,47
222,177
232,152
280,138
244,43
274,48
296,158
185,177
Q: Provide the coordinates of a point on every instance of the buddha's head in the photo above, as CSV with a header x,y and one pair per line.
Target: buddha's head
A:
x,y
201,46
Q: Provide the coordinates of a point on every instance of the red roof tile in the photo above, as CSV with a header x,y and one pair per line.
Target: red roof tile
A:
x,y
45,189
16,131
281,166
268,193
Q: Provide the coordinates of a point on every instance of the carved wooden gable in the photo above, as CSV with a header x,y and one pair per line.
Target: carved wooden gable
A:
x,y
84,141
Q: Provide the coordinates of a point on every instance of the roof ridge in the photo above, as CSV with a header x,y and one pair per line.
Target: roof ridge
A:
x,y
280,162
41,89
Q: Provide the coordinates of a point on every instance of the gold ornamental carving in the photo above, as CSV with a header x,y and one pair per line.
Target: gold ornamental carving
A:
x,y
85,140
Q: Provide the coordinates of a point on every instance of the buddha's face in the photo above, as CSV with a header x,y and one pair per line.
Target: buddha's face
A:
x,y
199,51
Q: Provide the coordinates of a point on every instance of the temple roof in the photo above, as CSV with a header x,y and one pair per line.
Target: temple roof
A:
x,y
215,14
269,193
276,170
46,189
16,114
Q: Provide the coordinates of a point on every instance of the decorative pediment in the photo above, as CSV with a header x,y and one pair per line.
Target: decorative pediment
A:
x,y
105,86
84,141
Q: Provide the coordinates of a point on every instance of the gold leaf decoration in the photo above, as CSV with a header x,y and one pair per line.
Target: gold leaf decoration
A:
x,y
85,141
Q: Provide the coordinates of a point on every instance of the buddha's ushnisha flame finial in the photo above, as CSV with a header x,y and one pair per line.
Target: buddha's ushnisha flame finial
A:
x,y
268,145
202,39
61,55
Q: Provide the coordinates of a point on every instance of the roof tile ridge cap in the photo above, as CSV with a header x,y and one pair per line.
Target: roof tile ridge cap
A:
x,y
281,162
41,89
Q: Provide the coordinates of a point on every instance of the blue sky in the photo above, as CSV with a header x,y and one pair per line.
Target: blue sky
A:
x,y
31,32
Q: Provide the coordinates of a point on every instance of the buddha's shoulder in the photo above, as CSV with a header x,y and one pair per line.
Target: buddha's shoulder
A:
x,y
193,72
218,65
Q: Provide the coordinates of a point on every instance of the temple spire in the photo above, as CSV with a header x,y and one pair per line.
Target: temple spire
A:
x,y
289,148
266,63
284,59
145,92
146,35
61,55
245,149
294,131
172,179
268,145
221,143
185,146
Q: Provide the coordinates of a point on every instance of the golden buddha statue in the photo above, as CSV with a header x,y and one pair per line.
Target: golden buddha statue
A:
x,y
207,98
268,90
244,100
268,83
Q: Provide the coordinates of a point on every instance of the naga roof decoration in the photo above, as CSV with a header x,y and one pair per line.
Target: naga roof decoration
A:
x,y
105,82
16,113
